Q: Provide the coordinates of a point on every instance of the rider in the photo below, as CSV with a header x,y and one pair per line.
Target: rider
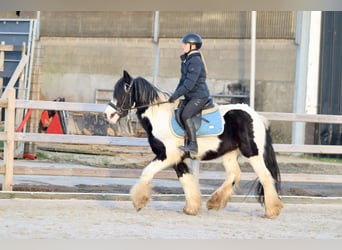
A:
x,y
192,85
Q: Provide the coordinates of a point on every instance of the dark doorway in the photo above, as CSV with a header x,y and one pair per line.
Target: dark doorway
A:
x,y
330,91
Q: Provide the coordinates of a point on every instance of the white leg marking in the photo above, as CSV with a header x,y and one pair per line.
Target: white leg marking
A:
x,y
192,194
273,205
141,192
221,196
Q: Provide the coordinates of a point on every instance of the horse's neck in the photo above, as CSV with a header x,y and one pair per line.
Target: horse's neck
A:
x,y
159,110
159,117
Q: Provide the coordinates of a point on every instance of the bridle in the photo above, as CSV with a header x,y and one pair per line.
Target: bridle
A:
x,y
121,110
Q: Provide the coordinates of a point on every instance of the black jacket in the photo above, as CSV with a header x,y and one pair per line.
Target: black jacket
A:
x,y
192,83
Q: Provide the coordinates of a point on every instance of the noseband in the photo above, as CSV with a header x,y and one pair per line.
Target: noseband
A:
x,y
119,110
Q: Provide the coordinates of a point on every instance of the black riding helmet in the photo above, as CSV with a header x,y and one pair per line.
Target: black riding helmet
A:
x,y
193,38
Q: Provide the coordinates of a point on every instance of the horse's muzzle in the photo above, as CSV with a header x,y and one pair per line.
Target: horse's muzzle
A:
x,y
111,115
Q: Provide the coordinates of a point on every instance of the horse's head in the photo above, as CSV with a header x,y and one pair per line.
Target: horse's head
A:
x,y
122,100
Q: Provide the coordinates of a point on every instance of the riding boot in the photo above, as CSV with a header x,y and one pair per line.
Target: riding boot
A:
x,y
191,132
186,142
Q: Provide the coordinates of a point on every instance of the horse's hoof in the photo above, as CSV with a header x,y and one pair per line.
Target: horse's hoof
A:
x,y
216,202
138,208
141,204
211,206
274,212
271,215
192,209
189,211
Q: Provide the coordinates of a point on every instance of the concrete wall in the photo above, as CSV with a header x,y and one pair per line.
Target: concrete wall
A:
x,y
75,67
98,63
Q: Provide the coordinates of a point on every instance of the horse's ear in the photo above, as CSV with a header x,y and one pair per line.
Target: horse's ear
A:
x,y
126,76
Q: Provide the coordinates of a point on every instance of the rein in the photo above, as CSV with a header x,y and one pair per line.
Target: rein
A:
x,y
148,105
120,110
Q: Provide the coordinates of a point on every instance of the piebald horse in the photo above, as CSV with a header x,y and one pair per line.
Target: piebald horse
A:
x,y
244,132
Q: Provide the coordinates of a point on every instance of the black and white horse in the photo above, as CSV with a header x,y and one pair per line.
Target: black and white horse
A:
x,y
244,131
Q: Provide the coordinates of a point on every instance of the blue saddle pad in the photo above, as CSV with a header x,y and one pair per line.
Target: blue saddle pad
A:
x,y
213,127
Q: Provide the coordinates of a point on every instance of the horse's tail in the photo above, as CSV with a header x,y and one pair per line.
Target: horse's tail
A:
x,y
271,164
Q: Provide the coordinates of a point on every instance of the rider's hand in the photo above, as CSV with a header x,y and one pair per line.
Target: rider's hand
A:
x,y
171,99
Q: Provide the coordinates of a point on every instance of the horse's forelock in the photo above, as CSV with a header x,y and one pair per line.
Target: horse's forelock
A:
x,y
119,89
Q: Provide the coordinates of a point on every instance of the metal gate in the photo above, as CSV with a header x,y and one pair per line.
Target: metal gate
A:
x,y
18,34
330,91
17,37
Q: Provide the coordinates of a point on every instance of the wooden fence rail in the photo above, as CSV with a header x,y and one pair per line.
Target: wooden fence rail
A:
x,y
9,136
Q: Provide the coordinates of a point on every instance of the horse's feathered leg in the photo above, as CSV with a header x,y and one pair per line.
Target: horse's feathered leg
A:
x,y
191,189
273,205
221,196
141,191
251,133
265,166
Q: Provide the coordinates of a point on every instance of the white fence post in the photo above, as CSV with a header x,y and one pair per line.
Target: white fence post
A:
x,y
7,184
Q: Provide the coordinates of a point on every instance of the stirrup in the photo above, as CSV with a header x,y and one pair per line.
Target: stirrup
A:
x,y
184,148
193,148
188,153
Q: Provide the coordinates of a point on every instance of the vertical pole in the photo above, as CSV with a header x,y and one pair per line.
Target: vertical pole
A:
x,y
252,73
7,184
2,62
21,93
2,57
156,47
313,63
38,26
21,86
302,40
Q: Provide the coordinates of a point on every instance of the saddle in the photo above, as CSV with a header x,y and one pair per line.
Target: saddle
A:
x,y
207,122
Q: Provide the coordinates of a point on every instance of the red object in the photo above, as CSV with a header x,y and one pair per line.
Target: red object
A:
x,y
22,124
29,156
55,127
20,129
45,119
